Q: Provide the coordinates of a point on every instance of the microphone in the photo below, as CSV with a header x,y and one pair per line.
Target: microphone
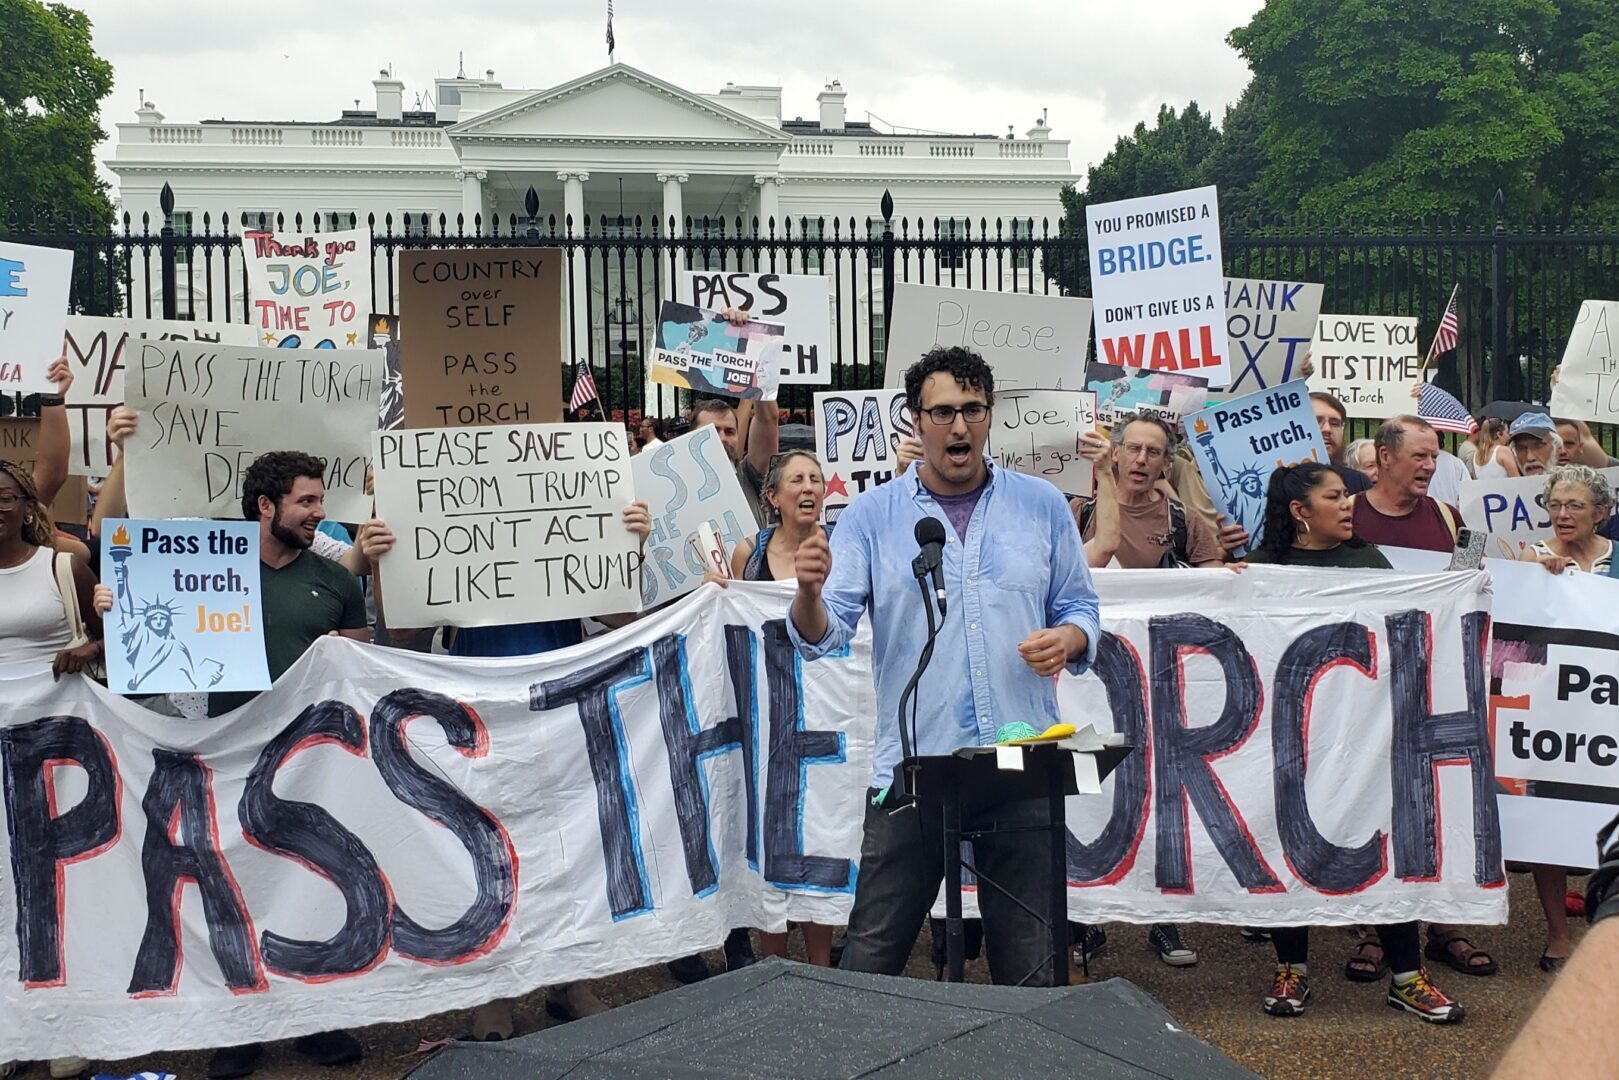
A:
x,y
930,538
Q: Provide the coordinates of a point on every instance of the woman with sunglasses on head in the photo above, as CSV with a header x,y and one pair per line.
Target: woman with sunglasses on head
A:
x,y
794,491
1309,521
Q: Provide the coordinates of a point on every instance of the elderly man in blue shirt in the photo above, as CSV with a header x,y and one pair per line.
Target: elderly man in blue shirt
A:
x,y
1021,608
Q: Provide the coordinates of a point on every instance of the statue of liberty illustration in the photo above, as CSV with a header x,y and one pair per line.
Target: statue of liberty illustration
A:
x,y
150,645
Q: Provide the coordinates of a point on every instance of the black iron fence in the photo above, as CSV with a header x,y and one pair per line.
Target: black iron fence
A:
x,y
1520,283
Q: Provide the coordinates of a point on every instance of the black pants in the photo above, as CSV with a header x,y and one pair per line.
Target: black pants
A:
x,y
1402,945
902,867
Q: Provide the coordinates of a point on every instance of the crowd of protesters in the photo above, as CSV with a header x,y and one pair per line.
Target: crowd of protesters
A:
x,y
1150,509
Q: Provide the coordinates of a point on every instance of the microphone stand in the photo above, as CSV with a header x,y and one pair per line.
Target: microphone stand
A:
x,y
907,740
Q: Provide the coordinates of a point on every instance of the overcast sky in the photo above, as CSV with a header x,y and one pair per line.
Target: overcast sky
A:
x,y
959,66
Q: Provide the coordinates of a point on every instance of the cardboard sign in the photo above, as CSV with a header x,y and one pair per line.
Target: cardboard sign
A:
x,y
1033,342
800,302
1269,327
186,612
485,345
1368,362
1238,444
1166,394
384,335
1157,284
700,351
857,433
1038,432
688,484
309,291
34,286
1588,379
504,525
96,351
207,411
19,444
1511,510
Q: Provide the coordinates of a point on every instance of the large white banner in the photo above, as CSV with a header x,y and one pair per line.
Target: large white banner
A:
x,y
1512,510
384,835
1269,325
1157,283
509,524
207,411
1032,341
801,302
310,290
687,483
1588,380
34,287
96,350
1368,362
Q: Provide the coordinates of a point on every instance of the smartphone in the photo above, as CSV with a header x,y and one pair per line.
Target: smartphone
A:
x,y
1469,553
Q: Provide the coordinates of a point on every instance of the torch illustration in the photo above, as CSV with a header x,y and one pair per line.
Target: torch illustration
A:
x,y
1205,439
121,551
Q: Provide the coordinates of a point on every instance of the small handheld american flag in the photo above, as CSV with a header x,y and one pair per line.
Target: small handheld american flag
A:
x,y
584,387
1443,411
1444,338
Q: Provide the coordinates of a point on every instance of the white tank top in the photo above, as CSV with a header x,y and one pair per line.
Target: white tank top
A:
x,y
33,622
1491,469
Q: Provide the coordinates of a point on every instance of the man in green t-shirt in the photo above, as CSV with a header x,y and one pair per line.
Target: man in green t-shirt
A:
x,y
305,597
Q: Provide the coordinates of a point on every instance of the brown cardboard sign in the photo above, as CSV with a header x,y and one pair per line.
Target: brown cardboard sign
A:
x,y
19,441
485,342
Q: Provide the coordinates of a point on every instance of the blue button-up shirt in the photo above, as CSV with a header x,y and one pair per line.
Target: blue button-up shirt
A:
x,y
1022,568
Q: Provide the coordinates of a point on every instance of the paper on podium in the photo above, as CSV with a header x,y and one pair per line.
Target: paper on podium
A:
x,y
1009,758
1085,778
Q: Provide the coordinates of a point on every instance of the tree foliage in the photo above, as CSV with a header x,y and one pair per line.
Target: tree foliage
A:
x,y
51,87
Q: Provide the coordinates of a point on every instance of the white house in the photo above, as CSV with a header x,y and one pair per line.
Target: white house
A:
x,y
615,141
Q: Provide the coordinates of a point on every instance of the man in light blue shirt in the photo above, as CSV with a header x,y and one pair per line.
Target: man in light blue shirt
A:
x,y
1021,608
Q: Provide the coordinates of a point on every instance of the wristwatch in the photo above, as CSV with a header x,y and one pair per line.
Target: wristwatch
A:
x,y
47,400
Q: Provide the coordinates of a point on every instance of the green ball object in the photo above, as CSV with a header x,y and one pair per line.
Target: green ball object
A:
x,y
1011,732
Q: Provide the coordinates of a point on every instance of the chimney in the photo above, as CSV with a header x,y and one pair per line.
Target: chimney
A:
x,y
831,101
1041,129
390,98
147,113
489,75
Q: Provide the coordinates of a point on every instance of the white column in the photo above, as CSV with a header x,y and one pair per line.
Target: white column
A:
x,y
573,209
769,205
472,206
673,205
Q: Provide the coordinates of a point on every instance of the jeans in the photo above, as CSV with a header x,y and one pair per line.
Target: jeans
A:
x,y
1402,949
902,867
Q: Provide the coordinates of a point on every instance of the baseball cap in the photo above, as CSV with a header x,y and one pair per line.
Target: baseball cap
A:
x,y
1533,423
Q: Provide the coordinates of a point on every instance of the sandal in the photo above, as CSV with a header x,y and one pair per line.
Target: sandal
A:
x,y
1438,949
1552,963
1362,968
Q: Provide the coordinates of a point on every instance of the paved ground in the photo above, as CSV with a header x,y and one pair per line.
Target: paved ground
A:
x,y
1348,1031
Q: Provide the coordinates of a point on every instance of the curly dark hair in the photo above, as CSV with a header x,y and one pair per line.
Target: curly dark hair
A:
x,y
1290,484
272,474
965,366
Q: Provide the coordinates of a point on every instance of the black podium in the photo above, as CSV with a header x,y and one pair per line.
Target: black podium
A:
x,y
974,776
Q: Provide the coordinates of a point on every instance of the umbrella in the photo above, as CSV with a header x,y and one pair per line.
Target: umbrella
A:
x,y
780,1019
1510,410
797,437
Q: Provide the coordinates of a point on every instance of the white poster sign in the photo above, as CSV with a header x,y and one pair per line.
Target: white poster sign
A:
x,y
1038,432
1269,327
96,351
687,483
1032,341
1157,283
310,291
1368,362
858,432
207,411
1512,510
35,283
509,524
1588,380
801,302
385,835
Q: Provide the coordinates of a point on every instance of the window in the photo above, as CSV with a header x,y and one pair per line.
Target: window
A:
x,y
877,323
338,220
181,221
1023,247
415,224
258,220
811,232
948,249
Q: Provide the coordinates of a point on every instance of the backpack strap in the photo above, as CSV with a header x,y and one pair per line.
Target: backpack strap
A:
x,y
68,588
1087,512
1448,516
1178,531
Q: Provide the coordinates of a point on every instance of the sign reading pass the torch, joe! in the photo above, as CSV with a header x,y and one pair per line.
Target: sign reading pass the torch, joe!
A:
x,y
186,614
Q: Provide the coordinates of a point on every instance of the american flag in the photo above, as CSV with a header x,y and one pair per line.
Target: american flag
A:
x,y
1444,339
1444,412
609,31
584,388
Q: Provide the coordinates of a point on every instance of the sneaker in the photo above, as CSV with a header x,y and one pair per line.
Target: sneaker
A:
x,y
329,1048
739,950
1255,935
7,1068
573,1001
233,1062
1418,995
65,1068
1288,992
688,969
1092,941
1165,939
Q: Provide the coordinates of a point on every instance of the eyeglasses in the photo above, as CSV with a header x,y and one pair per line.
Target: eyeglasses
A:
x,y
1330,422
1573,507
1135,449
974,412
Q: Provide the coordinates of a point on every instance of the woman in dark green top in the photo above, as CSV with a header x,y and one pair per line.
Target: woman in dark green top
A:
x,y
1309,521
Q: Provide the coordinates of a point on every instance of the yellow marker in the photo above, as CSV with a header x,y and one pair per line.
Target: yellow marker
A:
x,y
1051,734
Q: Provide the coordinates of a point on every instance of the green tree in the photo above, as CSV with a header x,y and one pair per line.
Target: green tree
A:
x,y
51,87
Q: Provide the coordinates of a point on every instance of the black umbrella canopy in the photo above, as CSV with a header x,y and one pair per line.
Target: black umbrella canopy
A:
x,y
1510,410
780,1019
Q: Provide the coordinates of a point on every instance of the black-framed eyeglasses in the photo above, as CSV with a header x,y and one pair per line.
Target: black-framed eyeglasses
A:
x,y
974,412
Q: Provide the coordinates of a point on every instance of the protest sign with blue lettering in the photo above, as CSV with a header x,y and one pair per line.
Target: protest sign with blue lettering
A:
x,y
1156,282
186,614
858,432
1238,444
1512,510
687,483
33,311
1269,326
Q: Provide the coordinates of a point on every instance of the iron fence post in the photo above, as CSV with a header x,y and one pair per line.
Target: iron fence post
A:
x,y
1501,366
166,254
887,207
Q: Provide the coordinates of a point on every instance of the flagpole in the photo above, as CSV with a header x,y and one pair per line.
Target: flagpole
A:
x,y
1429,358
